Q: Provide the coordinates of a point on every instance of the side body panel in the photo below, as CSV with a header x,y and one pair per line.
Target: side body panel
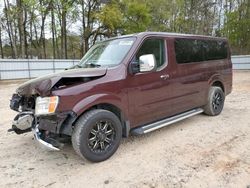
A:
x,y
189,84
148,94
145,97
186,87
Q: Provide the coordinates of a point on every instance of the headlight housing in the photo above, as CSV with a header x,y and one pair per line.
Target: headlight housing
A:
x,y
46,105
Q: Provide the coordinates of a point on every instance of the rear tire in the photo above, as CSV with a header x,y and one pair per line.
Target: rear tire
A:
x,y
97,135
215,104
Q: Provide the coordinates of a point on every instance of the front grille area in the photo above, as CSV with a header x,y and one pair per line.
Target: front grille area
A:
x,y
29,103
22,103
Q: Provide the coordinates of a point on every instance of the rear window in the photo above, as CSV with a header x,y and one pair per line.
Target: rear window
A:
x,y
197,50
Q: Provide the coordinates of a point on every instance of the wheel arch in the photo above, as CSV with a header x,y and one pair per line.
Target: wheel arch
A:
x,y
219,84
104,102
216,80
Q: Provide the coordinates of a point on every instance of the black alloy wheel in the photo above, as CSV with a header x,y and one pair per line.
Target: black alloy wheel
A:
x,y
215,103
97,135
101,136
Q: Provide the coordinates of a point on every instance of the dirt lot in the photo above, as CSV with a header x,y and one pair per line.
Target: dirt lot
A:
x,y
201,151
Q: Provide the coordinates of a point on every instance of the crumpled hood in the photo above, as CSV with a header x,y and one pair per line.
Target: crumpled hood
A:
x,y
43,85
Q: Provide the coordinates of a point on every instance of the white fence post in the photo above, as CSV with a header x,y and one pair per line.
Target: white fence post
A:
x,y
54,70
28,61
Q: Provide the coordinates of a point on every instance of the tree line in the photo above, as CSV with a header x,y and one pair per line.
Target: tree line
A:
x,y
63,29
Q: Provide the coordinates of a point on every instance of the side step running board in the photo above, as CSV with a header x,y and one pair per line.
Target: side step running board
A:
x,y
165,122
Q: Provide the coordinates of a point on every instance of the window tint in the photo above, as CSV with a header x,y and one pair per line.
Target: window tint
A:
x,y
153,46
194,50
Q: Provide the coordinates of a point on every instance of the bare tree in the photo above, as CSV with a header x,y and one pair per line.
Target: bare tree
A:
x,y
1,44
10,28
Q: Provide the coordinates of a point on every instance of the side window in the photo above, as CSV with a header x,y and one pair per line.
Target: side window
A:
x,y
183,50
216,50
195,50
153,46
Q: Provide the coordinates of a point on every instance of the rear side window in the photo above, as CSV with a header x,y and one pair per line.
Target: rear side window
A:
x,y
196,50
153,46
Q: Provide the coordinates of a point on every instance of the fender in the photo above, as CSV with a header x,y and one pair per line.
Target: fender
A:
x,y
96,99
214,78
211,80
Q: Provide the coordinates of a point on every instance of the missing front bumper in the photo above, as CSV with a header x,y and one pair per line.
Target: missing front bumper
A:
x,y
41,142
49,131
26,122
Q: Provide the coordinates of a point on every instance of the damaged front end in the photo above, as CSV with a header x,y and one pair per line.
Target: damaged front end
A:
x,y
37,108
44,128
23,121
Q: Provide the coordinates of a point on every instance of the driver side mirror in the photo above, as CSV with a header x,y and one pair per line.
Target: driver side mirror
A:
x,y
147,62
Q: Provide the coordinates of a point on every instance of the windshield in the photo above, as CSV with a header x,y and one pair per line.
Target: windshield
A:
x,y
107,53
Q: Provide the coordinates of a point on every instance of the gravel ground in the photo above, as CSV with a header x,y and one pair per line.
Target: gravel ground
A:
x,y
201,151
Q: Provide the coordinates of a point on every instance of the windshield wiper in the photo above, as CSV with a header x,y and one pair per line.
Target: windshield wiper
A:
x,y
92,64
74,67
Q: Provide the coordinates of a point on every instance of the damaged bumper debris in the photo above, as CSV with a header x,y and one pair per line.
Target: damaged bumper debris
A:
x,y
26,122
42,142
23,122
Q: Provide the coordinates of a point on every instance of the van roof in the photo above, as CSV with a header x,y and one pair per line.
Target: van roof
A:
x,y
143,34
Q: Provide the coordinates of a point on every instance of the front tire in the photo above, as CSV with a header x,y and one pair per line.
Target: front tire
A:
x,y
97,135
215,104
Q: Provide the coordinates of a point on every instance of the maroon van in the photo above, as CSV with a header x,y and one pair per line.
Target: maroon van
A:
x,y
128,85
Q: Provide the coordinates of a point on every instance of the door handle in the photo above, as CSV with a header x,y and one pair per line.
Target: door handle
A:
x,y
164,76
